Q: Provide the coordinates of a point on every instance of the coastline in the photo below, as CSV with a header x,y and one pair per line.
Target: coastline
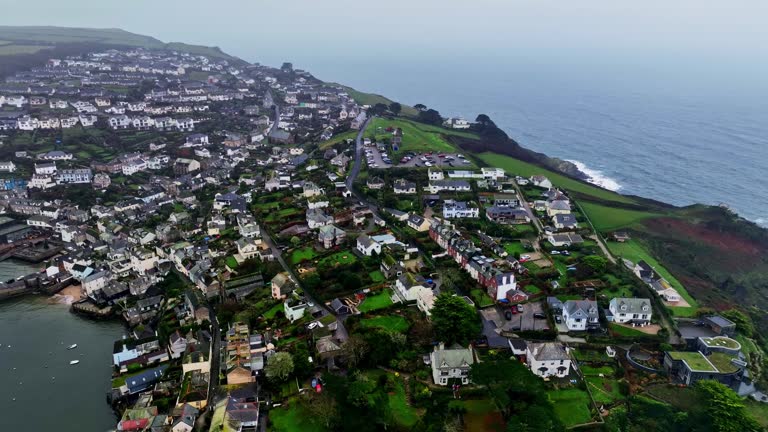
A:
x,y
68,295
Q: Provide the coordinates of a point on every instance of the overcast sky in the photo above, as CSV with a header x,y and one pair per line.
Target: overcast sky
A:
x,y
275,30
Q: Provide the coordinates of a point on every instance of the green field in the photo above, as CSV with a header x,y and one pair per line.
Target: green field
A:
x,y
13,49
394,323
404,414
759,411
292,418
372,301
339,258
517,167
352,134
303,254
572,406
373,99
514,246
609,218
626,331
634,251
604,390
231,262
417,137
376,276
481,298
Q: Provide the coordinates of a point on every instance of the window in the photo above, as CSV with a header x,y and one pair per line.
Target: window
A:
x,y
443,373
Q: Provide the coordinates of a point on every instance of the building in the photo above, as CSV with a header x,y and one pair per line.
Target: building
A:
x,y
548,359
367,246
417,223
282,285
330,236
101,181
507,215
459,209
74,176
635,311
688,367
580,315
7,166
451,363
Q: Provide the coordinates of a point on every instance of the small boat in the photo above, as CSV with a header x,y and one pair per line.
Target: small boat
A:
x,y
74,362
73,346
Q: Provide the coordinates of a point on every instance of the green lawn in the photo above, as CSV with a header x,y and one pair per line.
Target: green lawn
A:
x,y
532,289
339,258
514,246
517,167
292,418
337,139
596,370
609,218
390,322
303,254
417,137
625,331
376,276
572,406
634,251
404,414
231,262
273,310
604,390
481,298
372,302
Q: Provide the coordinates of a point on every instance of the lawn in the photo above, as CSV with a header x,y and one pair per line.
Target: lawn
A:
x,y
273,310
292,418
758,411
339,258
417,137
373,99
352,134
590,355
572,406
390,322
231,262
376,276
481,298
596,370
303,254
604,390
376,301
404,414
513,247
517,167
695,360
626,331
634,251
606,218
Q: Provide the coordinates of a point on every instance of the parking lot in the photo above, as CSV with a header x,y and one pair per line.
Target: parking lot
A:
x,y
382,160
520,321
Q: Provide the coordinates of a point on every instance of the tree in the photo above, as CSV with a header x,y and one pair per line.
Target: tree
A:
x,y
354,349
725,410
295,241
279,366
454,320
395,108
322,408
379,108
596,263
420,107
430,116
743,322
484,120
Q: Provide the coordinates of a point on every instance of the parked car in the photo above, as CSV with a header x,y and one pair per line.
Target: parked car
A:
x,y
539,315
555,252
558,319
520,308
508,315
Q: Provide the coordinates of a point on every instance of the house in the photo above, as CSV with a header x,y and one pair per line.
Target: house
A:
x,y
330,236
580,315
516,296
186,421
456,123
451,363
448,185
242,411
367,246
541,181
720,325
282,285
435,174
635,311
459,209
404,187
145,379
548,359
177,345
507,215
425,300
247,248
564,239
417,223
294,308
374,183
7,166
564,221
408,285
689,367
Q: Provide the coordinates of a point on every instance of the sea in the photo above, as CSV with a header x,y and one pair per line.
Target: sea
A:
x,y
39,389
669,135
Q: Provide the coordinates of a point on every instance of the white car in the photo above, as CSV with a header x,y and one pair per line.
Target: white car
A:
x,y
427,164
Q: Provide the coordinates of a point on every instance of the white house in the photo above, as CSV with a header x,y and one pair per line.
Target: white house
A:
x,y
459,209
452,363
367,246
425,300
636,311
95,282
548,359
541,181
579,315
8,167
247,248
403,187
435,174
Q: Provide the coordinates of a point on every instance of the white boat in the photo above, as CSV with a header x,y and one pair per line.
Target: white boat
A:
x,y
73,362
73,346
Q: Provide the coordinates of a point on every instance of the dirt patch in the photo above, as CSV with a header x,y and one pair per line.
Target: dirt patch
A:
x,y
650,329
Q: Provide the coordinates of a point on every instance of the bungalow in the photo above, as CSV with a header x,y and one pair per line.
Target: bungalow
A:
x,y
564,221
558,207
451,363
507,215
404,187
367,246
564,239
418,223
548,359
635,311
374,183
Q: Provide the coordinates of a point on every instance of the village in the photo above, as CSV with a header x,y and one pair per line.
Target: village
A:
x,y
286,253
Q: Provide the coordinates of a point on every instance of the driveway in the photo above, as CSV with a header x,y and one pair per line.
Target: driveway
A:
x,y
524,321
491,329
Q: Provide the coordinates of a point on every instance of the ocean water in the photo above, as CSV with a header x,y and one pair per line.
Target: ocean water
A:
x,y
666,135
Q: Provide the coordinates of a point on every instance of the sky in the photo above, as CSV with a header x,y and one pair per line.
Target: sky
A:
x,y
271,31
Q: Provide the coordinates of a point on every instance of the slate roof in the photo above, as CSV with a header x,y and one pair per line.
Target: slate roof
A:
x,y
547,351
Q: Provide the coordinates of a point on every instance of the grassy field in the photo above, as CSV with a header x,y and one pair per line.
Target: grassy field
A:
x,y
608,218
376,301
481,298
417,137
572,406
390,322
303,254
273,310
373,99
516,246
759,411
634,251
604,390
292,418
525,169
626,331
376,276
404,414
13,49
231,262
337,139
339,258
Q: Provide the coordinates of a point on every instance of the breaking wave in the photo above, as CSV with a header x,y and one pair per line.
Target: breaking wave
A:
x,y
597,177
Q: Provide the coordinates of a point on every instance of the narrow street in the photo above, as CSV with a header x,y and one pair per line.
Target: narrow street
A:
x,y
356,167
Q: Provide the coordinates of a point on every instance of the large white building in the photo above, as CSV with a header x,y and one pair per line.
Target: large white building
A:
x,y
580,315
459,209
451,363
635,311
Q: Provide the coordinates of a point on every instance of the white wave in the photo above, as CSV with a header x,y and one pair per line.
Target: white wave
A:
x,y
597,177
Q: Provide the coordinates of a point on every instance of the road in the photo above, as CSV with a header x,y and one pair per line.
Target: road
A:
x,y
527,207
356,166
277,119
215,356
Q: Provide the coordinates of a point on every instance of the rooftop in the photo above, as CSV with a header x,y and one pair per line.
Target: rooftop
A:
x,y
722,342
695,360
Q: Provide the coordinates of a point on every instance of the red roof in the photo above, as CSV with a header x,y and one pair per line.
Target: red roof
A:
x,y
129,425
